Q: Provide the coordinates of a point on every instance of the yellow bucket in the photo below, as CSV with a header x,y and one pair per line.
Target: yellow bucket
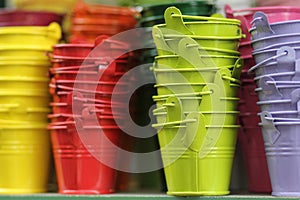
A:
x,y
36,51
45,36
25,158
20,67
29,114
23,83
24,99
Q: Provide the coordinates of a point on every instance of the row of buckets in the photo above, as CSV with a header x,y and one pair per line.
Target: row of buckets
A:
x,y
202,88
268,105
197,73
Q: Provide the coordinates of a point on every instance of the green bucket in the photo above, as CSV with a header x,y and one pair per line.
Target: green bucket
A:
x,y
188,8
189,57
171,47
197,157
199,25
172,81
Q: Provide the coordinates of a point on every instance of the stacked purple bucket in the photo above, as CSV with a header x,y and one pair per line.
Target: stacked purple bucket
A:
x,y
276,50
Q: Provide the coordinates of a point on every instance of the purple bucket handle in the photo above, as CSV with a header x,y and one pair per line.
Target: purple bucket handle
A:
x,y
269,127
269,88
284,55
262,25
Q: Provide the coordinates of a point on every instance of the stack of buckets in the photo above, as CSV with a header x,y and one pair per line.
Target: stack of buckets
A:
x,y
152,14
250,136
24,105
276,52
84,130
90,21
197,74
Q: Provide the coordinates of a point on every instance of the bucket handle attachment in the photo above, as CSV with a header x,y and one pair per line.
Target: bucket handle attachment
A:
x,y
176,23
285,54
261,22
160,42
269,87
268,125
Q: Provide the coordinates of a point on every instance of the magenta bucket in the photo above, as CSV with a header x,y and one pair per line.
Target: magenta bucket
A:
x,y
254,156
28,18
281,139
274,13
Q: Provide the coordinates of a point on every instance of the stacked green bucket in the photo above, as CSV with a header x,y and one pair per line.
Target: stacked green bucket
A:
x,y
197,74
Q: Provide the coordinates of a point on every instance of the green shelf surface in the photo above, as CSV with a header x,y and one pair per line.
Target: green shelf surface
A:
x,y
137,197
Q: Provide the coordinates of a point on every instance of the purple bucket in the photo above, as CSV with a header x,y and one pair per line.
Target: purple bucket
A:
x,y
269,89
290,104
282,144
263,28
274,39
283,61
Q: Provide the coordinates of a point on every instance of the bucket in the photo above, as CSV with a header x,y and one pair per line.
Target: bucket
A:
x,y
199,7
27,146
263,28
272,90
179,159
281,145
24,68
171,48
255,160
285,56
104,11
11,17
15,83
25,35
79,172
199,25
274,13
274,39
35,114
72,50
23,99
36,51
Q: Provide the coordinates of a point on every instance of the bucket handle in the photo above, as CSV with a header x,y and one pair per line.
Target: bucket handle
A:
x,y
284,54
267,122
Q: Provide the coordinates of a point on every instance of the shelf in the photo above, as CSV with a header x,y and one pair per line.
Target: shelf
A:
x,y
54,196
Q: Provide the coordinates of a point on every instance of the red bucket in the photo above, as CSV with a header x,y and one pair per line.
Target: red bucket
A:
x,y
125,14
72,50
252,145
78,171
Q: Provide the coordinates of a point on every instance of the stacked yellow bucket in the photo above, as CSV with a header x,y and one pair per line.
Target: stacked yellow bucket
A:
x,y
197,74
24,105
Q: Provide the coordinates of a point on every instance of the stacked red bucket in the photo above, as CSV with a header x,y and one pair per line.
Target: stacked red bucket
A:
x,y
91,20
250,136
87,114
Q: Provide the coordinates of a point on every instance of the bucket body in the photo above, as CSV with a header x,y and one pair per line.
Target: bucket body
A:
x,y
25,158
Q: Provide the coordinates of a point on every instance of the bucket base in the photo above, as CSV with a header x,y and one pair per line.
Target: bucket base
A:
x,y
21,191
86,191
286,194
203,193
